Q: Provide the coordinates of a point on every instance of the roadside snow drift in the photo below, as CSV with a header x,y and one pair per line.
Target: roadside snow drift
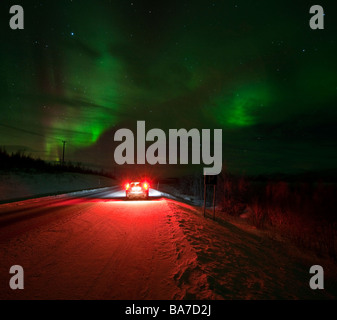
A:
x,y
25,185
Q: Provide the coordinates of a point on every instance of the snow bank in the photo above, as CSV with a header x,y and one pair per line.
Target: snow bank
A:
x,y
223,261
21,185
171,192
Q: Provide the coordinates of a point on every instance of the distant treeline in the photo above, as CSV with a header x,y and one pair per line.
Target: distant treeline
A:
x,y
23,162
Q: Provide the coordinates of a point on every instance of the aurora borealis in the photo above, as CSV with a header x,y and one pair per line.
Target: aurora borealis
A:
x,y
82,68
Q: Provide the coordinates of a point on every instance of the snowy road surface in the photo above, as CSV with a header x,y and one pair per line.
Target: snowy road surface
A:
x,y
96,245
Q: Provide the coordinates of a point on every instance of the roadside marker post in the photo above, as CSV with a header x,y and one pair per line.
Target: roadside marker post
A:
x,y
210,180
205,193
214,196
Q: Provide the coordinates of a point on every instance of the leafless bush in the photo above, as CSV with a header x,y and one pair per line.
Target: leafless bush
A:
x,y
303,211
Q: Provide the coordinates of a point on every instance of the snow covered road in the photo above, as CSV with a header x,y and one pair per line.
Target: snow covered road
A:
x,y
96,245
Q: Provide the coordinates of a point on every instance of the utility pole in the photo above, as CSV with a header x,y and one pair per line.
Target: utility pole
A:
x,y
64,148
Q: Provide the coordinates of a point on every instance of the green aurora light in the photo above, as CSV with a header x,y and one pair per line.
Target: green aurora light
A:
x,y
81,69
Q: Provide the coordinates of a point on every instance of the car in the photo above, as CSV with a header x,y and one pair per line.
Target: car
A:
x,y
137,190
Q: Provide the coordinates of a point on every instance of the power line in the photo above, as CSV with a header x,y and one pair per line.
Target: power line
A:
x,y
39,135
30,132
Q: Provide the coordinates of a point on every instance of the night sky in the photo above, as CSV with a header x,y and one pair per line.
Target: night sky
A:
x,y
82,69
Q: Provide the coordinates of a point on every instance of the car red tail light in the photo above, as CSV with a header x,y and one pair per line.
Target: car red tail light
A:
x,y
146,186
127,186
